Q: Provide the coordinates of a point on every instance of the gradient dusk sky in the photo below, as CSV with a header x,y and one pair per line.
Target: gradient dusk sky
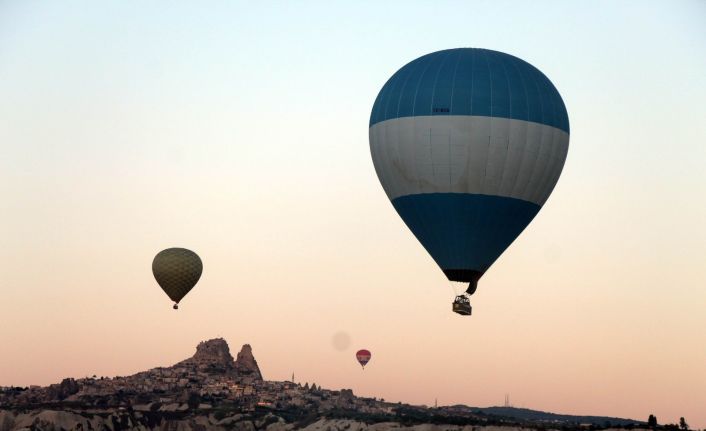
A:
x,y
240,130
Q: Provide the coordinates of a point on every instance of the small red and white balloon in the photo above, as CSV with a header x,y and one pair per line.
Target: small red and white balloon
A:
x,y
363,357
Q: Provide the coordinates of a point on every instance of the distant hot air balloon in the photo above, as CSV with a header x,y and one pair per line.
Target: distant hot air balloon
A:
x,y
363,356
468,145
177,270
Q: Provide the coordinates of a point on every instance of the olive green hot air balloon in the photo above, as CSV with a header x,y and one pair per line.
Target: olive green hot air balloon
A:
x,y
177,270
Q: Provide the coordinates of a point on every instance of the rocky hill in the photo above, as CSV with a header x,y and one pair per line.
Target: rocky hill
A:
x,y
246,365
213,391
535,416
213,357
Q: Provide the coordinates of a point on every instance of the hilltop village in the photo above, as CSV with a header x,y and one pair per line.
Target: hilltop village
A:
x,y
213,391
210,378
210,383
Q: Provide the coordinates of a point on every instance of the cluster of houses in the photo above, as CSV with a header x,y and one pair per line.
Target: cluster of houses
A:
x,y
176,385
210,378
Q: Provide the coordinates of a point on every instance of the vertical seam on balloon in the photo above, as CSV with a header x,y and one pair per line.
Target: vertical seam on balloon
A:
x,y
431,115
431,112
392,83
439,211
382,97
439,244
380,151
416,89
553,176
562,161
466,237
451,104
392,148
473,61
453,82
431,157
541,139
397,115
558,110
546,178
472,122
411,73
542,182
414,105
542,116
531,157
471,55
459,53
397,81
525,126
532,166
509,122
551,99
402,90
490,132
436,79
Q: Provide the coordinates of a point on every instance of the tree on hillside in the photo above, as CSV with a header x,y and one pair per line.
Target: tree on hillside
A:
x,y
652,421
682,424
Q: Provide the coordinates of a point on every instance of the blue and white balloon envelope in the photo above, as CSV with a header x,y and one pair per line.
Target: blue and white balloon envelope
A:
x,y
468,144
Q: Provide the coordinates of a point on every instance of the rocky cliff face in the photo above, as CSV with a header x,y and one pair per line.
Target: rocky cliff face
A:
x,y
213,352
60,391
213,356
246,365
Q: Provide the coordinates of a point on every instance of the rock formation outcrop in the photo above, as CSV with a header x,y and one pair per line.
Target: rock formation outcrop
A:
x,y
213,356
246,365
60,391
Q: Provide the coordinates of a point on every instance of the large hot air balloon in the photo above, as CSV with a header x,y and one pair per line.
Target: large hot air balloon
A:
x,y
468,145
363,357
177,270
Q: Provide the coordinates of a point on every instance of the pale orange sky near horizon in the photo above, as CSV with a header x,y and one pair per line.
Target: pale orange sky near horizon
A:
x,y
241,133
